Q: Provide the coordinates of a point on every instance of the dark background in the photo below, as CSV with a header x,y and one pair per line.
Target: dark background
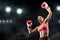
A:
x,y
31,9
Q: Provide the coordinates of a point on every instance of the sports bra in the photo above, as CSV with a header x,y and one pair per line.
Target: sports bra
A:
x,y
43,26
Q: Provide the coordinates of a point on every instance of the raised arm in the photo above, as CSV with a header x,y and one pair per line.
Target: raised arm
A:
x,y
48,16
45,6
46,20
29,27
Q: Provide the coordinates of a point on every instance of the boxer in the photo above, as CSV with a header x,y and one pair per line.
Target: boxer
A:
x,y
43,28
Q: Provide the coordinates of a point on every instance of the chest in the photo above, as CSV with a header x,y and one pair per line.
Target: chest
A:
x,y
42,27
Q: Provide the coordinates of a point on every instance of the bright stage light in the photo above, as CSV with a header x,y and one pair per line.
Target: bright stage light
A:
x,y
8,9
58,8
19,11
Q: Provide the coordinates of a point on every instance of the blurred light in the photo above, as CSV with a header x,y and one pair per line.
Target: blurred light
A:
x,y
58,21
10,21
58,8
0,20
8,9
19,11
7,21
3,21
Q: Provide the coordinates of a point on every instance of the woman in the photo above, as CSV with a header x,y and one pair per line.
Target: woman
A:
x,y
43,27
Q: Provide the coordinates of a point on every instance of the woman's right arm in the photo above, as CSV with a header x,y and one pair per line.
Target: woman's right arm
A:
x,y
29,27
32,30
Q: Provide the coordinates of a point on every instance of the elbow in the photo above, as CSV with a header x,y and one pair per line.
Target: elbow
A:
x,y
30,32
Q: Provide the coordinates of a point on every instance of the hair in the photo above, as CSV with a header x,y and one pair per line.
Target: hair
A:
x,y
39,19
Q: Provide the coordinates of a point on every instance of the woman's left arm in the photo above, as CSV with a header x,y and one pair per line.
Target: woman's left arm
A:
x,y
44,5
48,16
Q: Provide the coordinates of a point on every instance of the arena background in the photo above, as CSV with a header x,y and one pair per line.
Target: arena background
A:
x,y
13,24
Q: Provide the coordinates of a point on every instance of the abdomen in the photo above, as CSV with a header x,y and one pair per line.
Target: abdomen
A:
x,y
43,33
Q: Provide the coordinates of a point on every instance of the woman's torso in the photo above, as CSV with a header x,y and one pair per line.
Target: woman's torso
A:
x,y
43,30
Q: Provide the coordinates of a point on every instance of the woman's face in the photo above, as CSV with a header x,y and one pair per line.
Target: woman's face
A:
x,y
40,19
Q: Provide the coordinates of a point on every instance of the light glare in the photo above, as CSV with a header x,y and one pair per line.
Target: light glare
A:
x,y
58,21
8,9
3,21
10,20
19,11
58,8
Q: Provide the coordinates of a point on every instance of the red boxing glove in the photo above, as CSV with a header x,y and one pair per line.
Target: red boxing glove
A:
x,y
29,23
45,5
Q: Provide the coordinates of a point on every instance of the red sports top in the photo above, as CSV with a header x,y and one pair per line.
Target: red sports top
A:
x,y
43,26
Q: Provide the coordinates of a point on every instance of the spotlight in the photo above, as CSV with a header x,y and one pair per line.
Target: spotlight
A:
x,y
58,8
8,9
19,11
